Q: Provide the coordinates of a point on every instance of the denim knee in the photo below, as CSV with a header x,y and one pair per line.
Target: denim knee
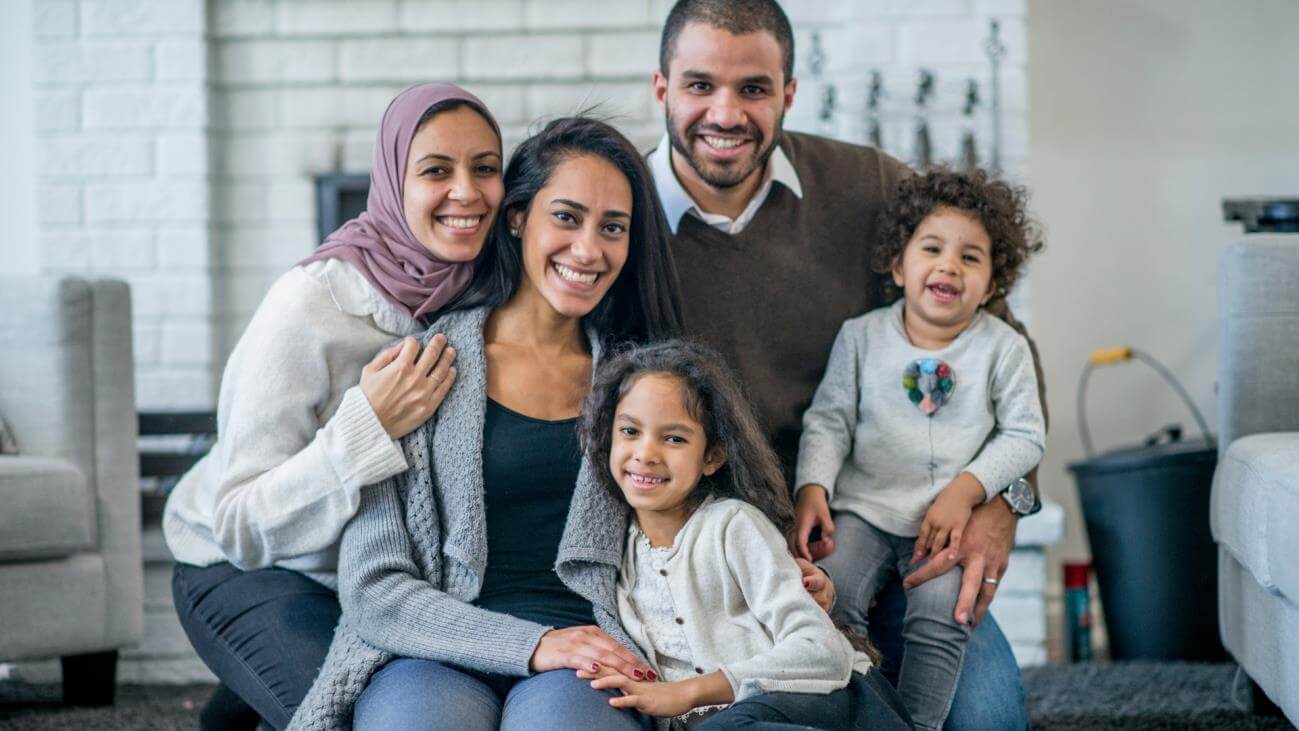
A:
x,y
423,694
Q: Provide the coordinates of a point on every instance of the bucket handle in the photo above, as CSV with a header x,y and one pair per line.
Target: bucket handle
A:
x,y
1124,354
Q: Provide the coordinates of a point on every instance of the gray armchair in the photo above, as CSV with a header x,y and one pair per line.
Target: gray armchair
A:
x,y
1255,508
70,567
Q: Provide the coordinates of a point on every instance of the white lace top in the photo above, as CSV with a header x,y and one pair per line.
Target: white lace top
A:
x,y
652,598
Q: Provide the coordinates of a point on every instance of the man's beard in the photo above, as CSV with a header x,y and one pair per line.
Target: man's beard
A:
x,y
723,176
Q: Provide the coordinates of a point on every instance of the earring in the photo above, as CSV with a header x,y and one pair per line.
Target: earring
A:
x,y
514,232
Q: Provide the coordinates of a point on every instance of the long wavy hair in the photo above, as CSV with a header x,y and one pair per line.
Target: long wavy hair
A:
x,y
714,399
644,303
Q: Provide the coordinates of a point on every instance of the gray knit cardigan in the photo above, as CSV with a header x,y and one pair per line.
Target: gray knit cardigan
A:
x,y
412,560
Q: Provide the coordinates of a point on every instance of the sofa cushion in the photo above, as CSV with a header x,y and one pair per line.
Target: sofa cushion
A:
x,y
46,508
1256,507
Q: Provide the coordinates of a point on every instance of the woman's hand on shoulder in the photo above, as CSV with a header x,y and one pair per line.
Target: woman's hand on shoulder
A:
x,y
405,385
586,649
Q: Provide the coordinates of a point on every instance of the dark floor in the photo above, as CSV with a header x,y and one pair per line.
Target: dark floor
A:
x,y
1086,696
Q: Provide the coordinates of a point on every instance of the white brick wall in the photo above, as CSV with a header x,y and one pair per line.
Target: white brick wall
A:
x,y
298,88
121,118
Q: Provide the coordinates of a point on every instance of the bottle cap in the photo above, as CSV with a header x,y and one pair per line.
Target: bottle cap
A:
x,y
1076,574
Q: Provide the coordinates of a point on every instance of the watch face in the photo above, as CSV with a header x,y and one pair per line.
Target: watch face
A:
x,y
1020,496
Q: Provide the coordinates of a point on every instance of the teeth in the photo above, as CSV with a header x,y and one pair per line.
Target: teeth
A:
x,y
574,276
460,221
646,480
722,143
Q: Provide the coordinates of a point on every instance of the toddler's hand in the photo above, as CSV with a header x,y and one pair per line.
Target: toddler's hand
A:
x,y
944,522
813,511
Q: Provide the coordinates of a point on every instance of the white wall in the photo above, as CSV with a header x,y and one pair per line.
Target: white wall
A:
x,y
1144,115
120,98
18,254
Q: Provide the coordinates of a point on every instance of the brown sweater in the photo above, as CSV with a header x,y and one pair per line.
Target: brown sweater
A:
x,y
772,297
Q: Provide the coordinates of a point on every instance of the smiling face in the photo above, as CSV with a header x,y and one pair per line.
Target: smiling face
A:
x,y
576,235
725,97
453,186
946,269
659,450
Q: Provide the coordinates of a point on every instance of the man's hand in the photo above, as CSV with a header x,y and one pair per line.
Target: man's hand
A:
x,y
984,553
817,583
813,511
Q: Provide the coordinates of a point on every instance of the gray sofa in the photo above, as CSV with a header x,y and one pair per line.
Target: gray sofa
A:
x,y
1255,509
70,568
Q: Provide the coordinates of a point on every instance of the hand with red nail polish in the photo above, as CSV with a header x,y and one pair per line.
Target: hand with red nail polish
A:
x,y
588,650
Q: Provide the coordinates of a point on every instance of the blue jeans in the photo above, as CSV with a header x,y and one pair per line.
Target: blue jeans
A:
x,y
263,633
423,694
989,692
868,703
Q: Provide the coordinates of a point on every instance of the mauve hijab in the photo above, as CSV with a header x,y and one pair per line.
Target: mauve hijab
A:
x,y
378,242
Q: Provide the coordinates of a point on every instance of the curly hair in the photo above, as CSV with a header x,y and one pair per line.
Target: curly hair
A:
x,y
999,206
713,398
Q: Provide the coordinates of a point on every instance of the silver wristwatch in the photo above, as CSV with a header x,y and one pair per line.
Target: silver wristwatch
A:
x,y
1021,498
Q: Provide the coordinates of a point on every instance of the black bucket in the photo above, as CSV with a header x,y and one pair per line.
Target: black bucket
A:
x,y
1147,515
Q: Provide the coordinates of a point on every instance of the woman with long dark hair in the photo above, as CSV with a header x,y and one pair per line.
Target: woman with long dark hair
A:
x,y
476,583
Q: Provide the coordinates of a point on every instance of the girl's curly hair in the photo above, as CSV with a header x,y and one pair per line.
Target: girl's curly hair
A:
x,y
999,206
713,398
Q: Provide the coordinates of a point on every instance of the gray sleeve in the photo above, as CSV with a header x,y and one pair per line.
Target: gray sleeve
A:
x,y
830,422
1018,441
394,608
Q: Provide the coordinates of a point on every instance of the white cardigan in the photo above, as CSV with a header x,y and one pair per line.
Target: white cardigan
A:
x,y
296,437
743,606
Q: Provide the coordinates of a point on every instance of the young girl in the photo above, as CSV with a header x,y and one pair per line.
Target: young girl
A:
x,y
708,589
927,409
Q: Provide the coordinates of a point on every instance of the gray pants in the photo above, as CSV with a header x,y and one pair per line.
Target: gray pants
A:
x,y
865,559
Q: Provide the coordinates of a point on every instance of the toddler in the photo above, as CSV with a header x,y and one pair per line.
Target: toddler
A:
x,y
928,407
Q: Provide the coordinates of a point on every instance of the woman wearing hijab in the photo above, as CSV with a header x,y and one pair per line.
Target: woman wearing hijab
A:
x,y
308,415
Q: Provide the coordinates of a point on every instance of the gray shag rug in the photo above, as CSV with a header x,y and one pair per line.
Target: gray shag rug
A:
x,y
1142,695
1133,695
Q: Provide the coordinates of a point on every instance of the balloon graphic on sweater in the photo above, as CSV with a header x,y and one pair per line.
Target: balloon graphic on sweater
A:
x,y
929,383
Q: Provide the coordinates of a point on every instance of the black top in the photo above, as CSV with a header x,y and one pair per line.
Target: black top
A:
x,y
529,469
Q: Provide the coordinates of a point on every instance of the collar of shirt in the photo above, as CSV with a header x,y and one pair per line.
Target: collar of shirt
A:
x,y
677,202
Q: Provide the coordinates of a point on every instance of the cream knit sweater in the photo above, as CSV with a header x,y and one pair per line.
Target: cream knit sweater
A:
x,y
742,606
297,439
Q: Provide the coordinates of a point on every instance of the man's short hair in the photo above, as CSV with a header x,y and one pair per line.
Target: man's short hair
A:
x,y
737,17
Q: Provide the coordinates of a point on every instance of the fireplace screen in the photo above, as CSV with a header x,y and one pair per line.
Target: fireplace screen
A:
x,y
339,198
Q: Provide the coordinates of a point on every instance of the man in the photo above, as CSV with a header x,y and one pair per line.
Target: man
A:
x,y
773,235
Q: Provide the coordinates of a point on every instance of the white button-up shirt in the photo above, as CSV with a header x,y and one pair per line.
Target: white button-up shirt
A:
x,y
677,202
